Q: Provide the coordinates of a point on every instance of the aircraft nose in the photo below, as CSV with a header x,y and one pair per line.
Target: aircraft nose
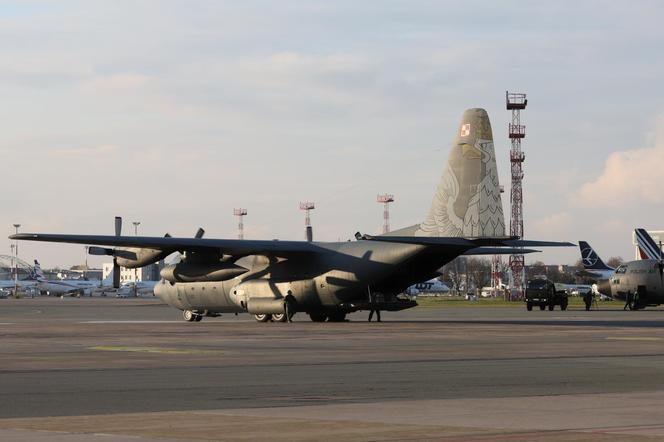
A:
x,y
160,291
604,287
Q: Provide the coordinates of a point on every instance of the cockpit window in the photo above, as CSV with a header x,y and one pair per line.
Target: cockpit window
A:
x,y
621,270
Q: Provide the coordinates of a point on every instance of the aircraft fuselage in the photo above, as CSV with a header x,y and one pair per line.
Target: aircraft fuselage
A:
x,y
339,279
642,278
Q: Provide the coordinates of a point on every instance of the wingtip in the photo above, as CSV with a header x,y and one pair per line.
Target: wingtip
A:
x,y
23,236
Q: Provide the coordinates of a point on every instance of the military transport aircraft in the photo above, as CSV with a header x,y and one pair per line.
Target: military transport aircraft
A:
x,y
274,279
640,283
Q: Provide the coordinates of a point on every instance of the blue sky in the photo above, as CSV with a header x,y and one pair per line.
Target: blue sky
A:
x,y
173,113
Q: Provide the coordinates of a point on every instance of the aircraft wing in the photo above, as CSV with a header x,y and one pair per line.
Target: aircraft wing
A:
x,y
227,246
589,274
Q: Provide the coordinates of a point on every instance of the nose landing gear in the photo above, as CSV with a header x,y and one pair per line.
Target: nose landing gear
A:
x,y
191,316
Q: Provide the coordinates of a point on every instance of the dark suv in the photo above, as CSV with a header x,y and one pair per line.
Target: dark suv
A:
x,y
543,293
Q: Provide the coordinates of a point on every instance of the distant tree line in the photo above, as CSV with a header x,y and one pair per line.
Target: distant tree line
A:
x,y
467,273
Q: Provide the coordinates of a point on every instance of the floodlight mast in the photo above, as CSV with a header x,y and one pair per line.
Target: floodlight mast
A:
x,y
308,206
385,199
516,131
240,213
16,226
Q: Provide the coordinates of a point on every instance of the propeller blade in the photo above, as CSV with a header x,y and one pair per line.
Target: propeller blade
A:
x,y
116,274
199,233
118,225
93,250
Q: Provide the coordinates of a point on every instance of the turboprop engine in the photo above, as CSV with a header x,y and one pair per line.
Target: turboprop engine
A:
x,y
129,257
132,258
186,272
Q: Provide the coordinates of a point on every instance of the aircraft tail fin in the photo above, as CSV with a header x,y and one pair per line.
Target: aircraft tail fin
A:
x,y
39,274
648,248
467,201
590,258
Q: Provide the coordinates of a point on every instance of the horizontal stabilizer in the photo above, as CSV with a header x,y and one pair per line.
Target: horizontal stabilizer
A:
x,y
422,240
499,251
502,241
535,243
588,274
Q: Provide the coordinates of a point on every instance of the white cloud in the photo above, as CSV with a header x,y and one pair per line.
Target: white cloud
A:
x,y
114,82
554,225
82,151
260,107
630,178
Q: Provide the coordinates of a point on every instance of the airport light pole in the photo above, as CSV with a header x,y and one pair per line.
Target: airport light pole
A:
x,y
85,273
13,260
136,224
16,226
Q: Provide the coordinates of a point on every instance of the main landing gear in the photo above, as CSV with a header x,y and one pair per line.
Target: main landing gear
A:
x,y
263,318
275,317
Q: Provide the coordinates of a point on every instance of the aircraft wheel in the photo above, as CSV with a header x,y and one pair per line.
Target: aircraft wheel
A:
x,y
337,317
198,318
551,307
263,318
563,306
542,306
318,317
188,315
529,306
279,317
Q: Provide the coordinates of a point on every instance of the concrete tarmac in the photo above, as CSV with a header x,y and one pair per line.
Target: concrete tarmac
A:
x,y
122,369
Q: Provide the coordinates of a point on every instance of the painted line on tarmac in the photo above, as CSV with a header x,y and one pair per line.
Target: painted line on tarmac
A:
x,y
635,338
7,323
159,350
138,321
144,321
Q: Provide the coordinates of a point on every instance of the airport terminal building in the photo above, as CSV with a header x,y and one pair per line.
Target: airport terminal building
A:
x,y
147,273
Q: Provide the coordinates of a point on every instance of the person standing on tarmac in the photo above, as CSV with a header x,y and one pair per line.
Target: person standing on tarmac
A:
x,y
628,301
588,299
374,308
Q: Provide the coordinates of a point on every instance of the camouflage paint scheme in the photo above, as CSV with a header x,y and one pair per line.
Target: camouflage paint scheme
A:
x,y
467,201
328,280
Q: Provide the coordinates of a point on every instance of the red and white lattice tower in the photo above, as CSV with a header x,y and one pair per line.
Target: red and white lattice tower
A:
x,y
307,206
497,266
516,102
240,213
385,199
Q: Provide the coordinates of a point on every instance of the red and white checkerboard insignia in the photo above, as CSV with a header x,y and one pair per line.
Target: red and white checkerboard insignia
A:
x,y
465,130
